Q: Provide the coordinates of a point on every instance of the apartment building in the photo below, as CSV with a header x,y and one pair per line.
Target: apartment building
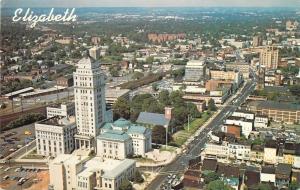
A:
x,y
269,57
242,67
270,152
261,121
195,70
234,76
216,150
243,113
94,52
55,136
276,111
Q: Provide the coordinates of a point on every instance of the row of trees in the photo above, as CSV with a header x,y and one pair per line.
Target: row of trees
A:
x,y
13,85
24,120
148,103
126,184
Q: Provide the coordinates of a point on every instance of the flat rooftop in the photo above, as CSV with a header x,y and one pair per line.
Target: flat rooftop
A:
x,y
58,121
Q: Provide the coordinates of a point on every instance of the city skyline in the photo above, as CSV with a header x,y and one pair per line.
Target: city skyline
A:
x,y
150,3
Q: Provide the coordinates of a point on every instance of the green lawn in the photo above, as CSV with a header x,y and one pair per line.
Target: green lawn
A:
x,y
181,136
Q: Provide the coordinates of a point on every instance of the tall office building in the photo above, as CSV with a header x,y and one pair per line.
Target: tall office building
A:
x,y
89,91
195,70
95,52
257,41
269,57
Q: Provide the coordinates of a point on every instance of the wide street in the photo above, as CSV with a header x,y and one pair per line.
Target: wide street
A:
x,y
181,162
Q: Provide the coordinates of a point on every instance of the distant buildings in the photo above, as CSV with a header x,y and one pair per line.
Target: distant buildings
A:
x,y
55,136
242,67
195,71
94,52
65,110
269,57
65,81
89,92
112,95
153,37
276,111
83,172
290,25
234,76
257,41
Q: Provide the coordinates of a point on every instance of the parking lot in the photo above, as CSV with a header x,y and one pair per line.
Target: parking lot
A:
x,y
13,139
12,178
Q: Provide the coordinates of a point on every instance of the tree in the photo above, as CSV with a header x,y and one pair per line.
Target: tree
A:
x,y
178,74
121,108
218,185
176,98
137,75
294,185
125,185
211,176
163,98
212,105
263,186
138,178
159,134
295,90
114,70
149,60
155,86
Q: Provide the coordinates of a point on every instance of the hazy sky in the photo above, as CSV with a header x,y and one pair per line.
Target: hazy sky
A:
x,y
150,3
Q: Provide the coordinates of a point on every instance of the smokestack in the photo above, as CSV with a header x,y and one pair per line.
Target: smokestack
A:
x,y
168,113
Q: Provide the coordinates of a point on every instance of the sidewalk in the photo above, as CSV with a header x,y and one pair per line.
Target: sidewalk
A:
x,y
159,158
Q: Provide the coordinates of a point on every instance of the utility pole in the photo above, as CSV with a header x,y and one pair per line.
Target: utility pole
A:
x,y
166,137
188,123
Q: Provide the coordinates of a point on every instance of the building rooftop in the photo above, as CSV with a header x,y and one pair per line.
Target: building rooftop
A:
x,y
252,178
59,121
114,135
137,129
116,167
271,144
257,148
122,123
209,164
194,173
239,118
152,119
268,169
275,105
115,92
283,169
228,171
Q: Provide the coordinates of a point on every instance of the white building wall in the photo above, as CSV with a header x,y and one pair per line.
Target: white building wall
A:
x,y
114,149
270,155
296,162
89,95
53,140
247,126
264,177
